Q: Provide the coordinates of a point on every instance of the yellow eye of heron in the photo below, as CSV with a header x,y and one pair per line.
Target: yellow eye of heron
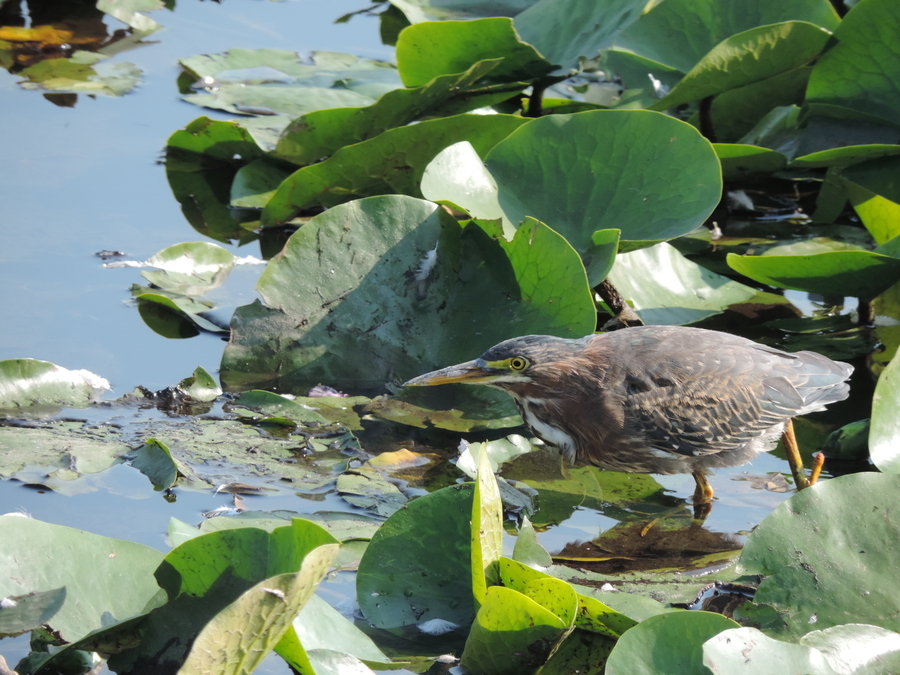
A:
x,y
518,363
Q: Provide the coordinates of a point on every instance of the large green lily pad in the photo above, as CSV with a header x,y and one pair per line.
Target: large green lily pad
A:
x,y
823,556
641,172
418,565
666,644
105,579
347,299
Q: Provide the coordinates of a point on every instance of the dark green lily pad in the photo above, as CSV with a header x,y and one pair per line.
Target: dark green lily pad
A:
x,y
667,644
154,460
566,30
418,565
29,556
392,162
823,556
201,163
22,613
345,299
744,161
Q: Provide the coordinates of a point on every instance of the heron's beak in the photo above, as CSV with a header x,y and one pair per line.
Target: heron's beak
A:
x,y
470,372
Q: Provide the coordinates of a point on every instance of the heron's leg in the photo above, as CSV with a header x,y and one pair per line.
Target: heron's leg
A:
x,y
818,462
793,456
703,495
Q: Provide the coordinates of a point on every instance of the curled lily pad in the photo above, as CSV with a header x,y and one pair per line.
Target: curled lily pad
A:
x,y
27,382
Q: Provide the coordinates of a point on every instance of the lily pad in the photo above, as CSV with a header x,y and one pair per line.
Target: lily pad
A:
x,y
664,287
514,633
29,558
275,81
64,452
83,72
667,644
747,57
823,557
321,133
370,490
201,163
680,33
862,274
751,651
428,50
418,565
885,426
564,31
344,301
641,172
392,162
862,71
28,382
22,613
260,617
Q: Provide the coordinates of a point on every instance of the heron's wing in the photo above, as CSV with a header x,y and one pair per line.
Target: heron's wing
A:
x,y
719,401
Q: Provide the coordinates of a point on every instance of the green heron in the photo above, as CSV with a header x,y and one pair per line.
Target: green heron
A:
x,y
655,399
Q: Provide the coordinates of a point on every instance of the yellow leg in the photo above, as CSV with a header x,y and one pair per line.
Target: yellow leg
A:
x,y
703,496
793,456
818,462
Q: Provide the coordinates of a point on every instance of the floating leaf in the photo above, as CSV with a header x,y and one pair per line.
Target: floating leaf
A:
x,y
29,556
750,56
428,50
154,460
392,162
862,274
22,613
885,426
345,299
664,287
28,382
418,565
667,643
643,173
823,557
862,71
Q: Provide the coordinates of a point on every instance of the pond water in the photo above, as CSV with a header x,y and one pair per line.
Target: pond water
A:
x,y
82,179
